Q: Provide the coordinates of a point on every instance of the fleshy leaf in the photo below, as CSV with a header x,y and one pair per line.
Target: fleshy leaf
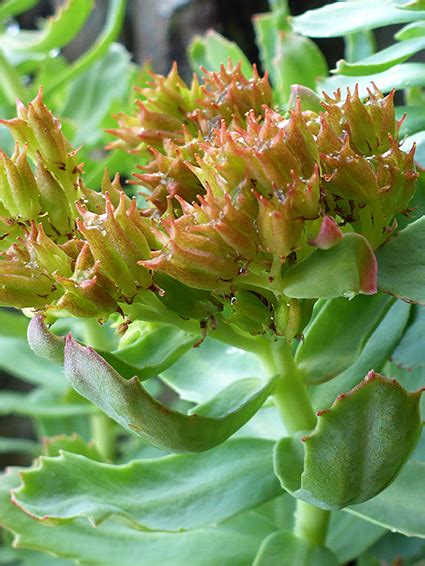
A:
x,y
115,544
400,507
59,29
285,549
337,335
345,270
410,351
35,404
11,8
357,447
401,264
130,405
218,487
75,444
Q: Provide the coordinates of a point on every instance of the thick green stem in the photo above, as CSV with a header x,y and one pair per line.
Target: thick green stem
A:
x,y
311,523
297,414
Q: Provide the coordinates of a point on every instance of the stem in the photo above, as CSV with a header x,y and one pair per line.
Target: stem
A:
x,y
297,414
311,523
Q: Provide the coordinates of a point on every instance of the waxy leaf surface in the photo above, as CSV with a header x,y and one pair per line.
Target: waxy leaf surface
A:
x,y
410,352
184,491
337,335
357,447
130,405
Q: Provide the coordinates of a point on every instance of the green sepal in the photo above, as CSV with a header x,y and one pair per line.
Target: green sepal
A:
x,y
357,447
204,489
345,270
285,549
130,405
337,335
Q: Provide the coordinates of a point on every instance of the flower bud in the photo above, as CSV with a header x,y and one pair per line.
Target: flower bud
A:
x,y
24,286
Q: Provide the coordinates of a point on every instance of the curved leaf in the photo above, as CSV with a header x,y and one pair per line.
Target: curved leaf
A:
x,y
184,491
337,335
130,405
341,18
285,549
383,60
400,507
415,29
345,270
410,351
357,447
402,265
115,544
58,31
34,405
11,8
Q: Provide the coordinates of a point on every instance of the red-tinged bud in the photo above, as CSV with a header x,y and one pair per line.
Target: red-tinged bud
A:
x,y
300,140
45,253
18,187
327,140
200,260
329,234
24,286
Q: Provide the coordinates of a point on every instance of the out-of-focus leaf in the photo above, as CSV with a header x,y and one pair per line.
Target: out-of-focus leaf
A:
x,y
419,139
410,352
115,544
180,492
336,337
129,404
11,8
286,549
383,60
341,18
213,50
400,507
357,447
414,5
401,266
12,445
30,404
414,121
359,45
415,29
402,76
59,30
345,270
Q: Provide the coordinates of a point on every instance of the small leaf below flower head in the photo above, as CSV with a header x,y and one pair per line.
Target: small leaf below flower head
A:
x,y
345,270
357,447
129,404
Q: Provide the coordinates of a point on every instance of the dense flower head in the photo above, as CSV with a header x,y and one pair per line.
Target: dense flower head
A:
x,y
238,193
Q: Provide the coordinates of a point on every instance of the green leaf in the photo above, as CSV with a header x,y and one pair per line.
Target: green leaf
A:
x,y
267,27
400,507
341,18
129,404
298,60
401,265
410,351
156,494
414,121
334,340
204,371
402,76
382,60
17,445
357,447
58,31
23,557
345,270
115,544
286,549
414,5
359,45
71,444
33,405
415,29
213,50
374,355
419,139
11,8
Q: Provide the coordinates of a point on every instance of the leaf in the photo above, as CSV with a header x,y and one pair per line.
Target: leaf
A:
x,y
23,557
31,405
359,45
345,270
115,544
11,8
340,18
204,371
419,139
410,351
357,447
383,60
415,29
374,355
414,121
156,494
74,444
414,5
401,264
59,30
130,405
298,60
286,549
213,50
267,27
18,445
334,340
400,507
402,76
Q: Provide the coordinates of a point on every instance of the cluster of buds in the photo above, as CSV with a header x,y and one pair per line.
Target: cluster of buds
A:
x,y
238,193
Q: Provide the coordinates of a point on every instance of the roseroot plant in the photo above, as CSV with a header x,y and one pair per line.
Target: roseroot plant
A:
x,y
262,275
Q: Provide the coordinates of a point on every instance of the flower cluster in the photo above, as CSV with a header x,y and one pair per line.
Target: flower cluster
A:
x,y
238,194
